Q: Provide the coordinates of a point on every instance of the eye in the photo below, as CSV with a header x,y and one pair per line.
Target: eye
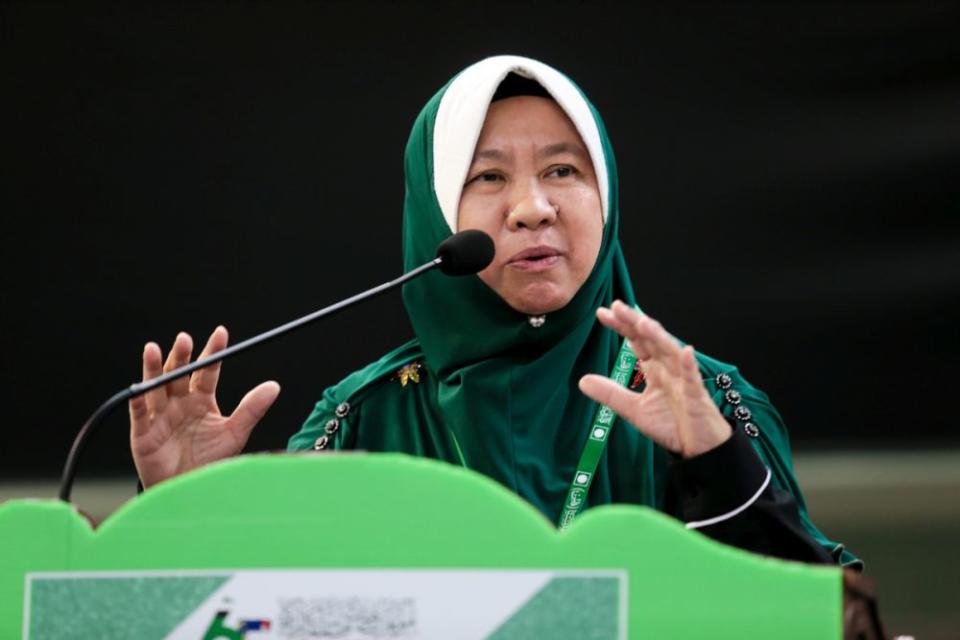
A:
x,y
487,176
563,171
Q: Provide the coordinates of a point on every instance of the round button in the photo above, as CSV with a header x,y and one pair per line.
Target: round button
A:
x,y
751,430
742,413
342,409
724,381
331,427
732,396
536,321
321,443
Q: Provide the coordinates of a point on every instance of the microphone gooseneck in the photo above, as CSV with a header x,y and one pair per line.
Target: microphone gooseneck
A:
x,y
461,254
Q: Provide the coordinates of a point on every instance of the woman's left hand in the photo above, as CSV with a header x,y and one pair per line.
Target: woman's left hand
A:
x,y
674,410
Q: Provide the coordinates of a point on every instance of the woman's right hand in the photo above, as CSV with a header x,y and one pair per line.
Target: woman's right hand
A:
x,y
179,427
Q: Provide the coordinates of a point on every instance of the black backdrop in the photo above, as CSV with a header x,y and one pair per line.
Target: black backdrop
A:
x,y
789,188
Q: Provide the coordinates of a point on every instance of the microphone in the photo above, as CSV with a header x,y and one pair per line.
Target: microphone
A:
x,y
461,254
465,253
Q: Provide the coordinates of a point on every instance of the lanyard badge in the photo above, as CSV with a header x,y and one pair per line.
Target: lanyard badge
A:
x,y
624,373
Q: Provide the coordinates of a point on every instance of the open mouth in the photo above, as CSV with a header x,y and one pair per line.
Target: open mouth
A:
x,y
535,259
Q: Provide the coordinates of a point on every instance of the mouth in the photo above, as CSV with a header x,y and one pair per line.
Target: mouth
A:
x,y
535,259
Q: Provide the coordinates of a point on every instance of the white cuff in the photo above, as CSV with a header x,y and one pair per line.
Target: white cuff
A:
x,y
730,514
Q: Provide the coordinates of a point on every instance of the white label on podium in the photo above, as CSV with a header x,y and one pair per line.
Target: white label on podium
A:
x,y
343,604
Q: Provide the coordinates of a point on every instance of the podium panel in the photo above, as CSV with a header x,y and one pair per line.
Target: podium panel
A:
x,y
385,546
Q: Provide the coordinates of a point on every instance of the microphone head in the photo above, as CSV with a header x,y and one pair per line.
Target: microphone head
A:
x,y
466,253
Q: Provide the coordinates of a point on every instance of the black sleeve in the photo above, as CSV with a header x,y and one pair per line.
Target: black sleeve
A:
x,y
727,493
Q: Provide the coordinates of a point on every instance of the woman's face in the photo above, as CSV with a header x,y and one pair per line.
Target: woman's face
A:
x,y
532,188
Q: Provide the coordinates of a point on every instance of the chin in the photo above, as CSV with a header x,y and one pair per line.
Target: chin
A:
x,y
537,303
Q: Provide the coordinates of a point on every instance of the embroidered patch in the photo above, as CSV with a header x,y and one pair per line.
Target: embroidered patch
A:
x,y
638,376
409,373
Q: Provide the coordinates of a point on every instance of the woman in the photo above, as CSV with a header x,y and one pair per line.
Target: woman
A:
x,y
502,377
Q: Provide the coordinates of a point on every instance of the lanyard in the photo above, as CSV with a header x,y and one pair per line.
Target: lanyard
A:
x,y
603,421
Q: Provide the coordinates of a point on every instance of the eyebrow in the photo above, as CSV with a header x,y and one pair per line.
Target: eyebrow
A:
x,y
548,151
489,154
563,147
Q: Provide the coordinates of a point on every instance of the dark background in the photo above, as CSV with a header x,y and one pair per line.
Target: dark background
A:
x,y
790,180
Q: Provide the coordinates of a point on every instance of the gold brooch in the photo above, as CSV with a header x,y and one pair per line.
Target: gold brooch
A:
x,y
409,373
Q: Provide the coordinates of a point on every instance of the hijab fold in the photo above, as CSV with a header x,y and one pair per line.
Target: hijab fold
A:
x,y
507,391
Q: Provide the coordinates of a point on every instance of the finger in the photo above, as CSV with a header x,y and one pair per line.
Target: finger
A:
x,y
691,372
624,403
620,317
689,361
652,335
205,380
636,328
155,400
252,408
179,356
138,416
626,329
606,391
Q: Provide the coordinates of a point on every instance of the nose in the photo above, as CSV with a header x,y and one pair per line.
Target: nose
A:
x,y
531,209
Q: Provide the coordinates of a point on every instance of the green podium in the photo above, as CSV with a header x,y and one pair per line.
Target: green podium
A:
x,y
384,546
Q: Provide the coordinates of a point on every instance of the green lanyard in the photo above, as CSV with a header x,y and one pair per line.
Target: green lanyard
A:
x,y
599,434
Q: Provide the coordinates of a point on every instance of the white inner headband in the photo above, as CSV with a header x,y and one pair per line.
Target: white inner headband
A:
x,y
463,109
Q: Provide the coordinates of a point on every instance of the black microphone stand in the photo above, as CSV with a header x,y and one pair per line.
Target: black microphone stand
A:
x,y
140,388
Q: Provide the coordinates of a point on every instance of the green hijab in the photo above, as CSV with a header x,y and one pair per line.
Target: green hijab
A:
x,y
507,391
496,394
490,391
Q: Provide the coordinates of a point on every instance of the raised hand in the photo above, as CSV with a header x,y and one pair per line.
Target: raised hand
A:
x,y
674,410
179,427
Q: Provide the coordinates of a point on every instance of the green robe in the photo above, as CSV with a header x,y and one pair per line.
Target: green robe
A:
x,y
495,394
